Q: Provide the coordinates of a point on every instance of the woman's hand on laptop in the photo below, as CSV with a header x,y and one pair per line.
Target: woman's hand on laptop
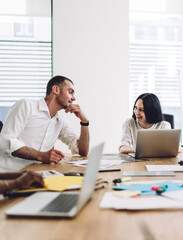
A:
x,y
126,149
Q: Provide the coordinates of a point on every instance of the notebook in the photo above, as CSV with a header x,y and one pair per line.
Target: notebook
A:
x,y
61,204
157,143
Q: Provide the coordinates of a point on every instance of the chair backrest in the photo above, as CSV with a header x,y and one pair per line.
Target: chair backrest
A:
x,y
169,118
1,125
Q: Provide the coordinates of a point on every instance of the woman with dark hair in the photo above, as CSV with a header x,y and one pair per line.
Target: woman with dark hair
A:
x,y
147,114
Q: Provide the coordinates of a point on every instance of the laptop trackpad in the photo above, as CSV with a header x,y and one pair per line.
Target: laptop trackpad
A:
x,y
63,203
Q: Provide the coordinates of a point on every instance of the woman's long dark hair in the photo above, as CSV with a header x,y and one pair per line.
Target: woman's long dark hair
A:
x,y
152,107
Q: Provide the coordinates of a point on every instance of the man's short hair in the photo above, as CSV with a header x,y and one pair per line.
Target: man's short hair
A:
x,y
152,108
57,80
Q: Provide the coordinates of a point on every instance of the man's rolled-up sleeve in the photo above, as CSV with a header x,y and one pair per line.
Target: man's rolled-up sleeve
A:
x,y
9,145
13,127
15,144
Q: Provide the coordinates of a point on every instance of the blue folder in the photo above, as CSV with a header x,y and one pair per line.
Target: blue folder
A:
x,y
146,188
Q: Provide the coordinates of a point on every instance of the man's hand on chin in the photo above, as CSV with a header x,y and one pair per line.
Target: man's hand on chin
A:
x,y
75,108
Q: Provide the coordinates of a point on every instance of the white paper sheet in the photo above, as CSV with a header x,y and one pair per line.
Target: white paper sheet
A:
x,y
174,168
178,195
103,163
139,203
48,173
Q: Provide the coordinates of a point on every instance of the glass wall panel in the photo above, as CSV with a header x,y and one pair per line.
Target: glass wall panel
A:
x,y
25,50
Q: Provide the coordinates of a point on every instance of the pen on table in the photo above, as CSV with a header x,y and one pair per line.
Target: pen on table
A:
x,y
52,172
119,180
100,184
109,169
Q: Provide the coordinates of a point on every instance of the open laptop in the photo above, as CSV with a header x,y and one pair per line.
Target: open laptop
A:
x,y
157,143
61,204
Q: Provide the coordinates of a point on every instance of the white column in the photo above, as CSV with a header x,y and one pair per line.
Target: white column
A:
x,y
90,46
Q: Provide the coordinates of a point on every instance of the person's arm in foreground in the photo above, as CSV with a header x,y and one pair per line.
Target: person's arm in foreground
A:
x,y
21,180
83,141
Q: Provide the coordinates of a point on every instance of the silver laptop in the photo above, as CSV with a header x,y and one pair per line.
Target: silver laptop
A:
x,y
157,143
65,204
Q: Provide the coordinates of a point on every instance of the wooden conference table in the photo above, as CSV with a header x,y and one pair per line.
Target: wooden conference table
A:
x,y
94,223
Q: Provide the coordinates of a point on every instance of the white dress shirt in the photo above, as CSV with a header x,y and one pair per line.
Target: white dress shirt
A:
x,y
29,124
130,128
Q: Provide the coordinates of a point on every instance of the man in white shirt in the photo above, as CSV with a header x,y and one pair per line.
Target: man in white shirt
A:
x,y
33,126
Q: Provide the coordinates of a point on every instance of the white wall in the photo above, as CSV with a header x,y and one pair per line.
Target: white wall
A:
x,y
90,46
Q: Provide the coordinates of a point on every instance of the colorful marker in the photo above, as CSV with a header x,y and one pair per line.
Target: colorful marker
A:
x,y
121,180
159,189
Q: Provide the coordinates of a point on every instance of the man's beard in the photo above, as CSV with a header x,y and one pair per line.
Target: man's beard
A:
x,y
63,106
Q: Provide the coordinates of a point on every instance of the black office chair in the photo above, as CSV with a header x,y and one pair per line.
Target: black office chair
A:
x,y
169,118
1,125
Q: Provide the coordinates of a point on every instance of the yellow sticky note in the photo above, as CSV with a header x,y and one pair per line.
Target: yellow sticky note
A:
x,y
126,193
61,183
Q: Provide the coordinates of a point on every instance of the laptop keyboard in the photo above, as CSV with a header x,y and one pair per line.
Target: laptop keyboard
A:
x,y
63,203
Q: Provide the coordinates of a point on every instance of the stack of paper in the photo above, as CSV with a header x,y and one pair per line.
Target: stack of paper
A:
x,y
148,199
103,163
140,203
